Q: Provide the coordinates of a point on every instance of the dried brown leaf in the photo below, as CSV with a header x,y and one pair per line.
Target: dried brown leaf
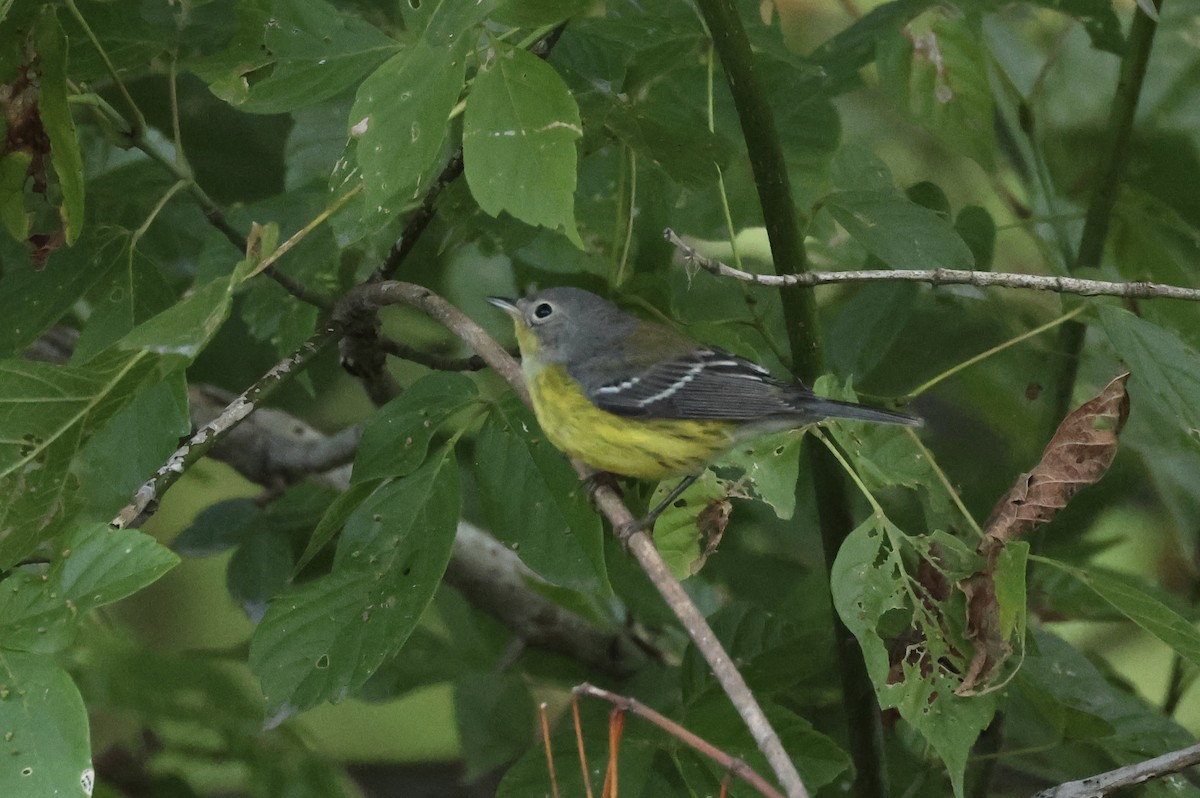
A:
x,y
1079,453
711,523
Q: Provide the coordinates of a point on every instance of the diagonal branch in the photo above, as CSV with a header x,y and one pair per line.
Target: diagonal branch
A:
x,y
1035,282
1138,773
729,763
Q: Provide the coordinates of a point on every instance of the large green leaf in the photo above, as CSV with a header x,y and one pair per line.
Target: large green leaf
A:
x,y
534,502
899,232
322,640
1140,607
288,54
872,590
46,742
519,142
57,122
32,300
401,119
1165,369
95,566
395,440
48,412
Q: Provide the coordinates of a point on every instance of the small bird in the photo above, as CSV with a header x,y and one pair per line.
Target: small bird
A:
x,y
639,399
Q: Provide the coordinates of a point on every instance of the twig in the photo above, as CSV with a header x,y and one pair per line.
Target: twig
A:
x,y
145,500
1036,282
729,763
430,359
1129,775
549,751
370,298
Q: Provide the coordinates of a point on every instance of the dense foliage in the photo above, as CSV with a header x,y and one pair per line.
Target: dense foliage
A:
x,y
187,189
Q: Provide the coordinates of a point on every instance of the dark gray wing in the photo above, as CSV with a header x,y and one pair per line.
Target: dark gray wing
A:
x,y
701,384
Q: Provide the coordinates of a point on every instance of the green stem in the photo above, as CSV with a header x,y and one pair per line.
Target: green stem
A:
x,y
1104,196
799,312
139,122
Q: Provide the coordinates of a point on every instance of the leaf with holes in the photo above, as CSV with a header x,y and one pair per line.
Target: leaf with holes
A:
x,y
47,746
95,566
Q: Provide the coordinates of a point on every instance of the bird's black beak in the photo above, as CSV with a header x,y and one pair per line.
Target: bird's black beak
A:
x,y
509,306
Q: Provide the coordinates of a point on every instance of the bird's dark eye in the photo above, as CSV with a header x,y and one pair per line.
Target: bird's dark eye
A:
x,y
542,310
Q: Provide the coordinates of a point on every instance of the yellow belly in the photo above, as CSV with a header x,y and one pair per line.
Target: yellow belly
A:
x,y
644,448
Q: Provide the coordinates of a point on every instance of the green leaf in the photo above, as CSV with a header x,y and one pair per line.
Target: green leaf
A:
x,y
1140,607
32,300
322,640
978,230
867,326
95,566
395,440
14,172
873,593
400,117
495,713
935,69
56,119
133,444
46,741
771,464
1166,370
676,534
288,54
217,528
899,232
334,518
519,142
534,502
675,141
129,290
49,411
185,328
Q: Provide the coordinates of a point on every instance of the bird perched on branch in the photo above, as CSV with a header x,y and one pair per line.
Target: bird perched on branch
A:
x,y
639,399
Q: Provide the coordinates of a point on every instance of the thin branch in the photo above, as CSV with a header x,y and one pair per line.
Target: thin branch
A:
x,y
1138,773
368,299
729,763
430,360
145,500
1035,282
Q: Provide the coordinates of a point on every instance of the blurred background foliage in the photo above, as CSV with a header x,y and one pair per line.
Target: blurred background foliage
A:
x,y
972,134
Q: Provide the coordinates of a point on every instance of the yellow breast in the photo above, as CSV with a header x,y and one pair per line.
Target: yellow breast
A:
x,y
644,448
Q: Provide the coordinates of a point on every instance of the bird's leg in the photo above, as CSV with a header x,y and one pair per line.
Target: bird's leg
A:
x,y
647,521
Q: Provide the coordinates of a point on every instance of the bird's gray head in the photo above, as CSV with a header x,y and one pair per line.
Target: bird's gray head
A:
x,y
564,325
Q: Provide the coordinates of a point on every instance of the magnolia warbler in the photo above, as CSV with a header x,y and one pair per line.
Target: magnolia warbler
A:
x,y
639,399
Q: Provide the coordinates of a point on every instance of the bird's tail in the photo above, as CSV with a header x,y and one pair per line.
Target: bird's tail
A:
x,y
832,408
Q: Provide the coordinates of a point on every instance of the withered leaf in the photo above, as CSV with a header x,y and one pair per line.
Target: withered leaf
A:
x,y
1079,453
711,524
